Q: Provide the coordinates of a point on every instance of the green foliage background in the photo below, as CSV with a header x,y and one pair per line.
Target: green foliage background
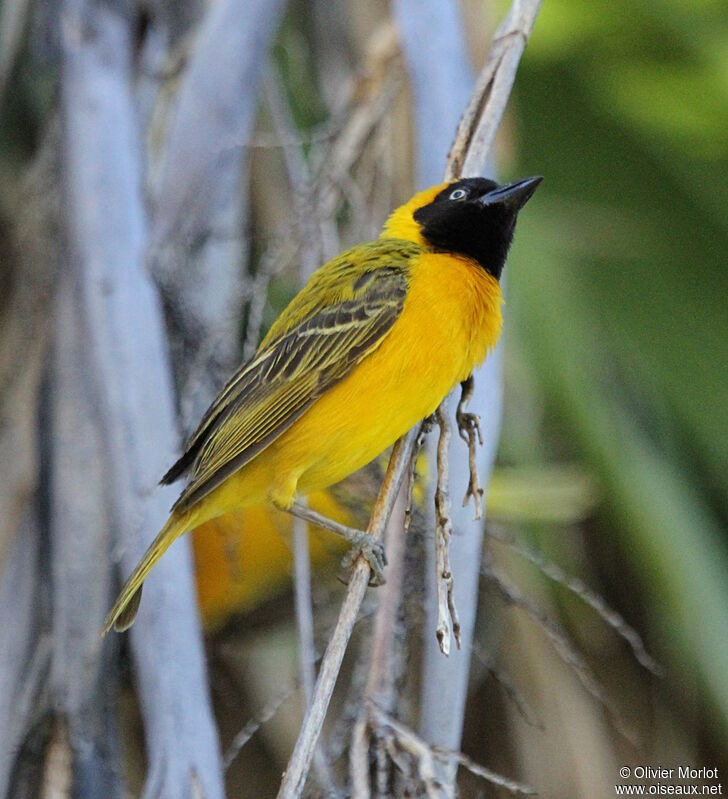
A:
x,y
619,287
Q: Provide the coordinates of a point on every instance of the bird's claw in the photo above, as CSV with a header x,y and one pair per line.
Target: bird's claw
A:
x,y
466,422
373,552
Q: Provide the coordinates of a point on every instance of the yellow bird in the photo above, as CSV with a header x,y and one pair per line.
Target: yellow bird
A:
x,y
369,347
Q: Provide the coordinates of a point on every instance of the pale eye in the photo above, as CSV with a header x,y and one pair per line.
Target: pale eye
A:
x,y
459,194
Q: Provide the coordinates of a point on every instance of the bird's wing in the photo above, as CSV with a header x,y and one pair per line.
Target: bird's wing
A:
x,y
290,371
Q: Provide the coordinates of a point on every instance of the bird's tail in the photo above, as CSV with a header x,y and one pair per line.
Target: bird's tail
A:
x,y
122,615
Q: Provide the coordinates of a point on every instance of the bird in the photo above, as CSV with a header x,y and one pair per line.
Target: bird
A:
x,y
368,348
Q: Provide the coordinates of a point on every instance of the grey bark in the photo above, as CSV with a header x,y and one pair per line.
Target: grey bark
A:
x,y
128,361
197,248
82,688
436,53
24,643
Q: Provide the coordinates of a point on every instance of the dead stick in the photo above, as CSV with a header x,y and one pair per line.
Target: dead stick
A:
x,y
446,611
295,777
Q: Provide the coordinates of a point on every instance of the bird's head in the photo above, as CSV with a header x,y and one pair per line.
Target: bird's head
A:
x,y
474,217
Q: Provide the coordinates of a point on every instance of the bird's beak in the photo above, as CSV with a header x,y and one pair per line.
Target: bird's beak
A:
x,y
513,196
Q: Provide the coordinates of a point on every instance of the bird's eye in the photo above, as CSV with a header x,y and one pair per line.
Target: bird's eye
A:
x,y
458,194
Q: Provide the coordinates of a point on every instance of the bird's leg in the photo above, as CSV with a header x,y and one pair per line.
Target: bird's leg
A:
x,y
362,543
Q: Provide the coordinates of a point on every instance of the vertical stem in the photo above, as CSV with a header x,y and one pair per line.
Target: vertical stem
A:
x,y
304,611
298,766
380,679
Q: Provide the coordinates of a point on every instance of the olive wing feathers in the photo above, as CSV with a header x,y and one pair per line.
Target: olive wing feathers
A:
x,y
292,369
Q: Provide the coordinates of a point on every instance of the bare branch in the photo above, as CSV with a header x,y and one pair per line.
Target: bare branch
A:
x,y
445,680
578,587
446,611
129,367
380,678
562,646
197,249
369,98
431,759
299,180
478,126
300,762
412,476
265,714
374,91
80,530
304,612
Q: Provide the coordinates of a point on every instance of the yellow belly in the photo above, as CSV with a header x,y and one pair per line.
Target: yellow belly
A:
x,y
451,318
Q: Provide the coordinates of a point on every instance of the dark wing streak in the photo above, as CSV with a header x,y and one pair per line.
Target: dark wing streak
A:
x,y
241,381
276,389
229,442
197,489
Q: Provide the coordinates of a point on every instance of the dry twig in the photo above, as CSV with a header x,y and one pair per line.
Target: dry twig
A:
x,y
269,710
412,477
264,715
445,680
431,759
300,762
562,645
579,588
380,678
479,123
446,611
370,98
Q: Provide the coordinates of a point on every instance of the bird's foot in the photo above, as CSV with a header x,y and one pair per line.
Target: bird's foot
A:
x,y
372,551
361,543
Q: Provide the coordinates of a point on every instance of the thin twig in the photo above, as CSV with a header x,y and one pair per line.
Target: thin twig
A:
x,y
371,95
380,678
443,708
306,649
479,123
275,260
578,587
446,611
295,777
309,253
268,711
562,645
299,179
430,759
509,688
425,428
264,715
468,156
